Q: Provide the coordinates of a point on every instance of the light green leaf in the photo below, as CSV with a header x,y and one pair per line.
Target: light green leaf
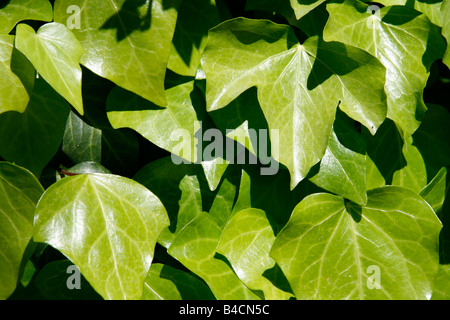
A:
x,y
445,16
18,10
127,42
195,18
19,194
164,282
403,40
302,7
195,244
312,78
14,94
214,170
86,167
195,247
343,167
432,9
171,128
55,53
81,141
441,290
246,241
32,138
388,249
435,192
414,174
107,226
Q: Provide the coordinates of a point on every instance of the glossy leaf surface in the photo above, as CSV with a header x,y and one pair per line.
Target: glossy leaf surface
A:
x,y
19,193
387,249
134,38
304,112
18,10
398,37
55,53
107,225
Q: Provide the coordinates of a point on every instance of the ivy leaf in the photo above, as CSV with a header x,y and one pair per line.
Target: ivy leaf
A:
x,y
86,167
171,128
20,192
195,247
181,188
430,8
387,249
195,18
18,10
127,42
414,174
441,290
15,96
81,141
164,282
55,53
397,36
435,192
392,161
445,16
246,241
302,7
32,138
271,59
343,167
107,225
118,149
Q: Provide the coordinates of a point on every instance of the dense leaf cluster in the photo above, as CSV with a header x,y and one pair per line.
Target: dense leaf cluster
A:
x,y
124,123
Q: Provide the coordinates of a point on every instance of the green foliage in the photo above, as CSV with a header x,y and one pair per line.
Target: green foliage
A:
x,y
202,149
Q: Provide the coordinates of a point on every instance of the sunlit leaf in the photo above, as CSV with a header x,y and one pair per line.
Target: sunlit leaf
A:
x,y
55,53
19,193
388,249
107,225
127,42
312,78
18,10
398,36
